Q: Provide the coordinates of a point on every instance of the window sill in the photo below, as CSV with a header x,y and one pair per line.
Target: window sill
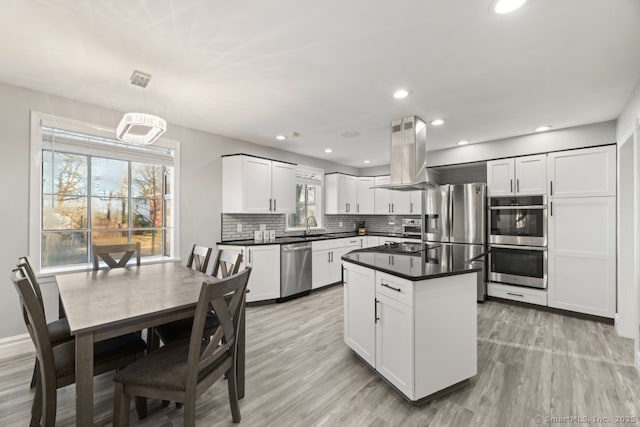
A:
x,y
51,272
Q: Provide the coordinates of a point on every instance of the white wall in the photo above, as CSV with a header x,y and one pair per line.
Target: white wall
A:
x,y
630,112
201,181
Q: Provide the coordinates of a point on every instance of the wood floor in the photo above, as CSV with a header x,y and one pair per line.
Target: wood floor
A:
x,y
300,373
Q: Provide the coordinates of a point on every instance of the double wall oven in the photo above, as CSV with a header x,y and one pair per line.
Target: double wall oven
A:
x,y
518,240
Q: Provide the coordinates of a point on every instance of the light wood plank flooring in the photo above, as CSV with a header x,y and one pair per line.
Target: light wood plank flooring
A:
x,y
300,373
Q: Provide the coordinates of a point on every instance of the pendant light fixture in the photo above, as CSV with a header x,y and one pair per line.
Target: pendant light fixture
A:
x,y
140,128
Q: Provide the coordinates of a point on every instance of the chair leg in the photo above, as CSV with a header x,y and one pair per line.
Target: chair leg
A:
x,y
36,407
49,405
190,412
35,373
232,384
121,405
141,407
165,403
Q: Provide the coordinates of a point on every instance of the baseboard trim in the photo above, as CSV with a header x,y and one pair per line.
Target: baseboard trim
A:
x,y
15,346
638,362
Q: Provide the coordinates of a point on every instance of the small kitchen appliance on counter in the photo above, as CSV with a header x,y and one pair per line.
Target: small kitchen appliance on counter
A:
x,y
362,230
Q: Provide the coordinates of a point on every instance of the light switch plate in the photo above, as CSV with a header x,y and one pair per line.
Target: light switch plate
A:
x,y
340,224
239,228
263,227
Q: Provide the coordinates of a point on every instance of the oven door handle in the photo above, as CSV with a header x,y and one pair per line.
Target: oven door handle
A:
x,y
529,248
506,208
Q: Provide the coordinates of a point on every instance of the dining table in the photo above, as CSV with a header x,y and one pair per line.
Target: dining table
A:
x,y
104,304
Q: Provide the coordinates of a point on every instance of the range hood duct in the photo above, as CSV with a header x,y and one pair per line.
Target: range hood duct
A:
x,y
409,156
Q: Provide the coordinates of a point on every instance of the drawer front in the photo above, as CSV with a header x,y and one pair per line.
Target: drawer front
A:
x,y
395,288
322,245
517,293
352,242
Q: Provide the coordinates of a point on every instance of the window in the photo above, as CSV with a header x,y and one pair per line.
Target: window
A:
x,y
308,197
96,190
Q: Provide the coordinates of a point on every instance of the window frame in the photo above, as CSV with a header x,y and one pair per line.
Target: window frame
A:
x,y
319,200
37,120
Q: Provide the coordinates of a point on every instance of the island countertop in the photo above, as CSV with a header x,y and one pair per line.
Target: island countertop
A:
x,y
417,262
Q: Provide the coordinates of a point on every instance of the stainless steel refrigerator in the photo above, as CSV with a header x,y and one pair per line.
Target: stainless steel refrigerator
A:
x,y
455,216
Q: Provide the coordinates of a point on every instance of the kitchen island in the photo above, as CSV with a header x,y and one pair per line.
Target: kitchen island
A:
x,y
410,314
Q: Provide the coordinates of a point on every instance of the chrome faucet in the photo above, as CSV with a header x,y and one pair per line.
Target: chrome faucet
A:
x,y
314,223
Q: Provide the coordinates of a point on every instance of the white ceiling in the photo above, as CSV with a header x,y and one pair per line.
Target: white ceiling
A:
x,y
253,69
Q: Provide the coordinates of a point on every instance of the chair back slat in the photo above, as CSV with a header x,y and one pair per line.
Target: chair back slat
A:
x,y
227,263
105,252
36,324
199,258
226,297
25,263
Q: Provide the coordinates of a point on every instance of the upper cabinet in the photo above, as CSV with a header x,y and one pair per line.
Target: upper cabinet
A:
x,y
520,176
365,195
257,185
396,202
585,172
340,194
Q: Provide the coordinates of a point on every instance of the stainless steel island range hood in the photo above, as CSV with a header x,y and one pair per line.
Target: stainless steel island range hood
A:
x,y
409,156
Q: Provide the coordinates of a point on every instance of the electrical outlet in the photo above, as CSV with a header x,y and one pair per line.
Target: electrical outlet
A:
x,y
340,224
263,227
239,228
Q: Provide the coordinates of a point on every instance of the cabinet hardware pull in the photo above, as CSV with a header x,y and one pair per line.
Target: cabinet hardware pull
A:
x,y
518,185
515,295
552,188
249,256
375,311
551,213
331,256
411,207
511,186
390,287
274,204
270,204
389,207
393,207
328,256
358,207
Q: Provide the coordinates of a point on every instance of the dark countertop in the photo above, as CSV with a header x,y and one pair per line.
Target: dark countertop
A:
x,y
311,238
416,262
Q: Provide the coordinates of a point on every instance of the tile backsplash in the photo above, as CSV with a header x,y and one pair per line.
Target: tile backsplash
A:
x,y
331,224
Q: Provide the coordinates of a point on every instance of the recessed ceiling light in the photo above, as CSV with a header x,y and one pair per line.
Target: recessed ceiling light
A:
x,y
463,142
328,150
281,137
507,6
542,128
400,93
366,162
437,122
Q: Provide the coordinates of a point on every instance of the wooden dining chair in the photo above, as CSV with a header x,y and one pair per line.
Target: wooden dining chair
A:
x,y
56,364
107,252
227,264
183,371
58,329
199,258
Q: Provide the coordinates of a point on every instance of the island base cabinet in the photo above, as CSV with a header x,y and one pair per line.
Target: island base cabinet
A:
x,y
446,338
359,312
394,336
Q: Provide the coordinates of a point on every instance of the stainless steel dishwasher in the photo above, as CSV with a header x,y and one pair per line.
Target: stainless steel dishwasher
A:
x,y
295,269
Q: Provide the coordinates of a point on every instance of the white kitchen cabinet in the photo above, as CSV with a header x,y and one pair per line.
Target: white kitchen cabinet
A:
x,y
395,202
373,241
394,340
340,194
517,293
519,176
326,267
359,306
264,281
582,255
256,185
382,197
588,172
365,195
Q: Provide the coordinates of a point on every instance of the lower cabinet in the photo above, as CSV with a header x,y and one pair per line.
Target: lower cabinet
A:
x,y
582,255
359,328
394,331
264,282
326,266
